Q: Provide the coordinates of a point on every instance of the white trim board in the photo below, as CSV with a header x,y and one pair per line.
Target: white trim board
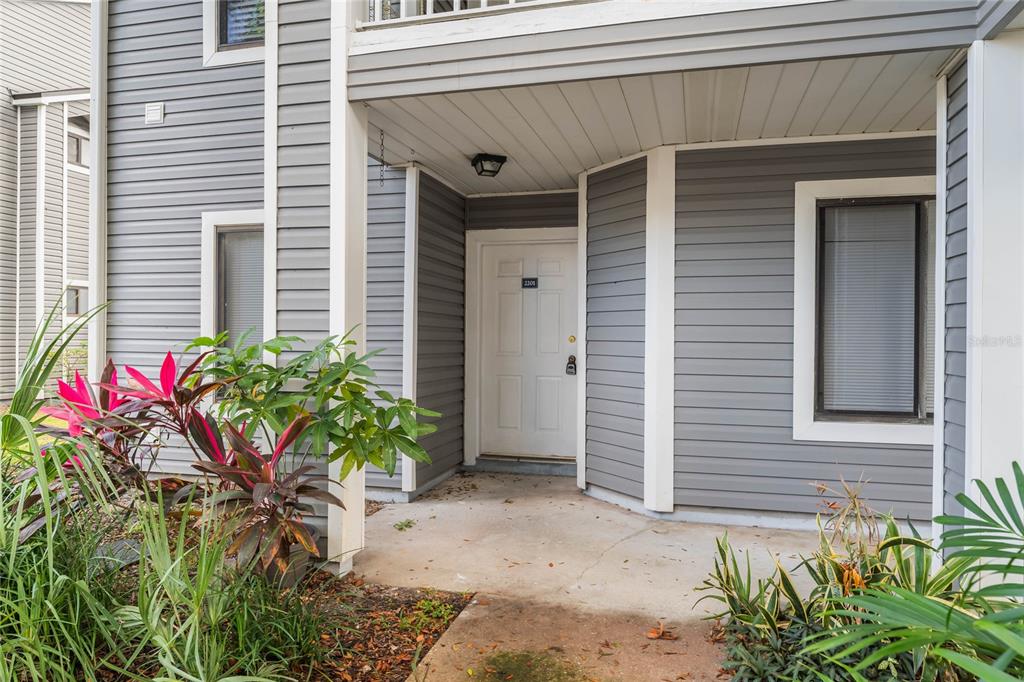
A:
x,y
97,349
805,427
40,273
939,396
410,311
475,241
581,334
659,330
212,222
270,178
212,54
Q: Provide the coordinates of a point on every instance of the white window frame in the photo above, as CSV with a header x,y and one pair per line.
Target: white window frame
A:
x,y
213,222
75,131
805,426
212,54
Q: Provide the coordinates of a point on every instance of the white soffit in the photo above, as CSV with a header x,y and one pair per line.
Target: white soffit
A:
x,y
553,132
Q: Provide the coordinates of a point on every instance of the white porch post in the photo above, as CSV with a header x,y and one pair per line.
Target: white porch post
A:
x,y
659,330
995,251
347,294
410,337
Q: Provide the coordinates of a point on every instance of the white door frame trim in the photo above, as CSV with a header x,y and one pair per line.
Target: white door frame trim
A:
x,y
475,241
581,334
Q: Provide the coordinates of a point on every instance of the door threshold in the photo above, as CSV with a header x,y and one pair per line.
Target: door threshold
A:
x,y
533,459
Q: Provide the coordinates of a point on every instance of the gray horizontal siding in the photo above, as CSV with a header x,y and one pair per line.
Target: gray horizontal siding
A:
x,y
440,371
78,226
303,175
955,362
27,229
385,287
560,209
734,314
616,224
797,32
162,177
8,242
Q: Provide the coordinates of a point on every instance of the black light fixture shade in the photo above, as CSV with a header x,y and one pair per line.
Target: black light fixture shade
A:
x,y
488,165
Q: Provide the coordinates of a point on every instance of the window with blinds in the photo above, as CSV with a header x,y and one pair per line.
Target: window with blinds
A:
x,y
876,317
241,22
240,285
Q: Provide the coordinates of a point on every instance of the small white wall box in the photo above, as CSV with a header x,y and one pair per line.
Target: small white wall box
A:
x,y
154,112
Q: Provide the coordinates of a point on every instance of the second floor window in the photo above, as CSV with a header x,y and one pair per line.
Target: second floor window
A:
x,y
241,23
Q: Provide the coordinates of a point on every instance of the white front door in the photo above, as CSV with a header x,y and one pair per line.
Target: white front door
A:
x,y
528,327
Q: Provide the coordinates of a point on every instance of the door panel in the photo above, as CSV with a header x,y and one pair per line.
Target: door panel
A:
x,y
528,402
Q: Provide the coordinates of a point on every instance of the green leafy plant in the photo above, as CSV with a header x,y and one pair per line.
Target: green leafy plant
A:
x,y
351,419
973,629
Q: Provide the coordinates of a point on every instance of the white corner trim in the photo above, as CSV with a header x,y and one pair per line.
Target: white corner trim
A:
x,y
212,56
975,262
40,274
410,311
805,427
581,334
17,245
97,349
212,221
270,178
475,241
939,390
659,329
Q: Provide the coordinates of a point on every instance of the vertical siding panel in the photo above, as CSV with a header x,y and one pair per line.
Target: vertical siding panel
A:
x,y
734,332
385,288
955,362
441,323
616,253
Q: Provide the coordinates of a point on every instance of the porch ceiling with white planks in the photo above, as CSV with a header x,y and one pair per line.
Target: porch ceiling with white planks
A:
x,y
553,132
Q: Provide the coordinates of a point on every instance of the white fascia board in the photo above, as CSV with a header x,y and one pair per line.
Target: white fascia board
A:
x,y
805,427
659,330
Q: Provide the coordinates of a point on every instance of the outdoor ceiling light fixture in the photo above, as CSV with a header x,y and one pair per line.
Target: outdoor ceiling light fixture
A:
x,y
488,165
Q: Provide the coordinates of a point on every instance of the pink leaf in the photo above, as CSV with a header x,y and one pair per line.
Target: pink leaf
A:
x,y
168,373
144,382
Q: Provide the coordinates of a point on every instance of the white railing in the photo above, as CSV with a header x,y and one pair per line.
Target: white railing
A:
x,y
389,11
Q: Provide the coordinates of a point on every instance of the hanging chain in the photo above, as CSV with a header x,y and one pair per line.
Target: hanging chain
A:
x,y
381,156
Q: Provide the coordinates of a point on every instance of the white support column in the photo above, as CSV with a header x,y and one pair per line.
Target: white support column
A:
x,y
346,528
581,335
410,337
270,185
659,330
995,251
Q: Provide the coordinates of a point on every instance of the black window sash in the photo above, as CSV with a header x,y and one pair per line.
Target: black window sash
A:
x,y
920,293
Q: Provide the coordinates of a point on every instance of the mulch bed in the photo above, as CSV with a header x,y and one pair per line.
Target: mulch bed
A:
x,y
382,631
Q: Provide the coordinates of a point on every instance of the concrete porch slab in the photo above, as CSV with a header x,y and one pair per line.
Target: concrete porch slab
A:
x,y
556,568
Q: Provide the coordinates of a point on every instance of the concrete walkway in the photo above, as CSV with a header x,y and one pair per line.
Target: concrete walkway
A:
x,y
555,569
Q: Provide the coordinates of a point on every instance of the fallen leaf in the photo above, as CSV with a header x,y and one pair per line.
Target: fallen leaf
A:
x,y
660,632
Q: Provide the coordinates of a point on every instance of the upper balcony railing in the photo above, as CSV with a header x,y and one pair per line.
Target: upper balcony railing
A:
x,y
385,12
